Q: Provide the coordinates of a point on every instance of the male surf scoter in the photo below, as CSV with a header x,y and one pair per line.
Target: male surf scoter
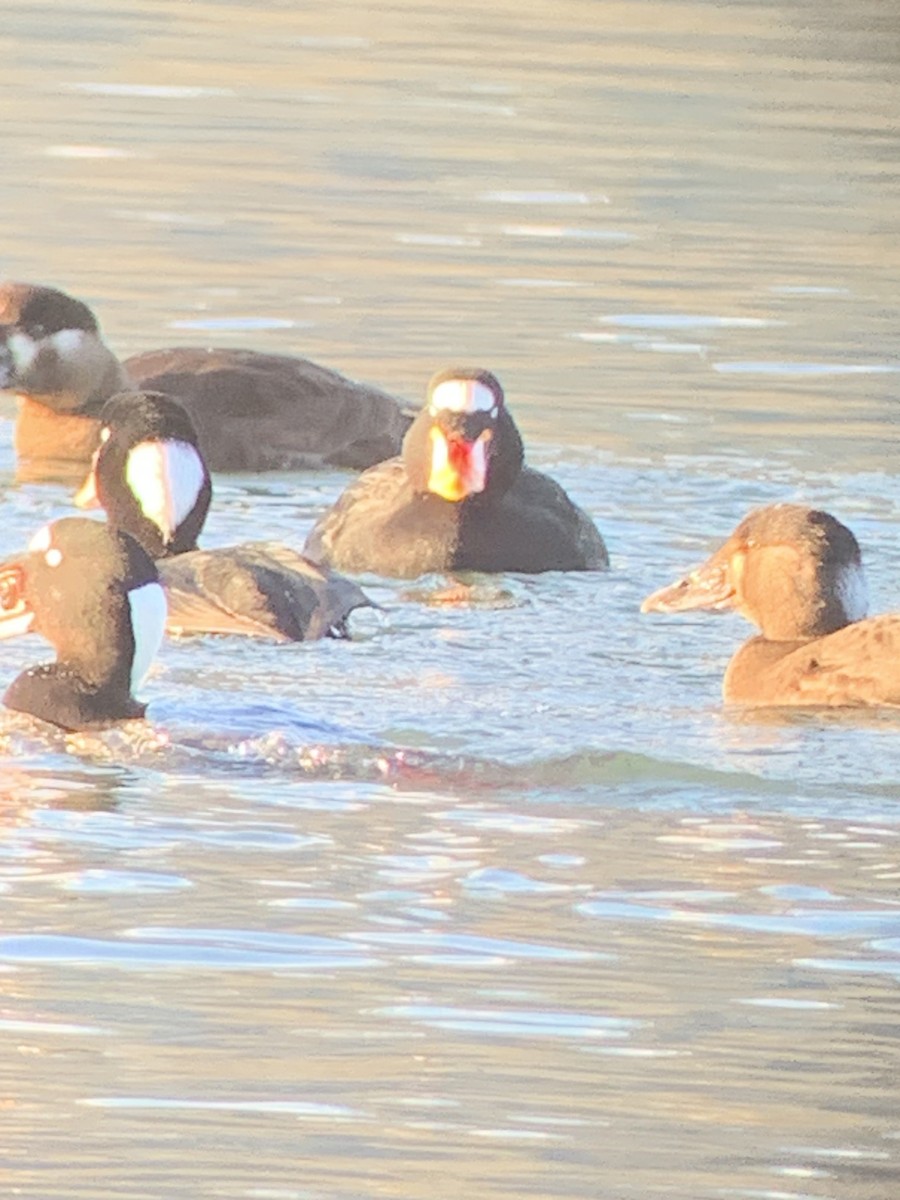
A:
x,y
459,498
796,573
94,594
150,477
252,411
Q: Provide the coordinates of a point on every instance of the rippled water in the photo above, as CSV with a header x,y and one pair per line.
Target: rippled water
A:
x,y
496,900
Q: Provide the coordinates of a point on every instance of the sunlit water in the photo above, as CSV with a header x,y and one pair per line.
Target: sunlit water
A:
x,y
496,900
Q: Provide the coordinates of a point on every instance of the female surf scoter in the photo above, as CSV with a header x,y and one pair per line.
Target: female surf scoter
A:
x,y
252,411
459,498
150,477
796,573
94,594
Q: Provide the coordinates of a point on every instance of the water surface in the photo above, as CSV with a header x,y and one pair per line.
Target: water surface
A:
x,y
496,900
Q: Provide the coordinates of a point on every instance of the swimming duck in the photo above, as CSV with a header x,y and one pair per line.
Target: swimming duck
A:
x,y
796,573
252,411
458,498
95,596
150,476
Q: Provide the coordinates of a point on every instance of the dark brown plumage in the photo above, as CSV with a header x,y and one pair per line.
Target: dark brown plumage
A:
x,y
253,411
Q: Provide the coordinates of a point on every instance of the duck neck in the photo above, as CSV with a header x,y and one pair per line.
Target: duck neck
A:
x,y
60,694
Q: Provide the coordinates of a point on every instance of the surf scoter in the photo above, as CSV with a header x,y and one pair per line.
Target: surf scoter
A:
x,y
458,498
252,411
94,594
150,476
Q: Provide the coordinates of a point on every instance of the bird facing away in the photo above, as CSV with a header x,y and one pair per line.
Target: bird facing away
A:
x,y
94,594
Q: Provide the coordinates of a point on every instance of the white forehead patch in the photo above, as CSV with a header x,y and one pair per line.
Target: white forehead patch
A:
x,y
852,591
42,540
42,543
462,396
148,624
166,479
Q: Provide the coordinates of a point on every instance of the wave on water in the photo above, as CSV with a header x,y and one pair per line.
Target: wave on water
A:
x,y
255,741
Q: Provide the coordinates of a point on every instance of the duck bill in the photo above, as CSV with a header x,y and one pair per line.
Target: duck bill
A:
x,y
708,587
16,617
458,465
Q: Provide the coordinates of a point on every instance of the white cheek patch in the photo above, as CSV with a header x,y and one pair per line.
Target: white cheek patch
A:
x,y
165,479
53,557
68,342
148,623
462,396
23,350
852,591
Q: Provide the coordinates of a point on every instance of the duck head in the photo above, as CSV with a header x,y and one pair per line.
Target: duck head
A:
x,y
148,473
463,444
794,572
95,596
52,351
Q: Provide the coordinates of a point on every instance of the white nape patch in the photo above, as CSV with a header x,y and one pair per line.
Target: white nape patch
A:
x,y
148,624
68,342
852,591
166,478
462,396
23,350
42,540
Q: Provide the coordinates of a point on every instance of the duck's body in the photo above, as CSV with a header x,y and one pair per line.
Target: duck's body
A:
x,y
150,477
273,412
859,664
262,589
253,411
796,573
458,499
95,595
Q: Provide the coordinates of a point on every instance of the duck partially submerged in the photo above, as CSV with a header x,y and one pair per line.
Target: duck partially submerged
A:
x,y
95,595
150,476
796,573
459,498
252,411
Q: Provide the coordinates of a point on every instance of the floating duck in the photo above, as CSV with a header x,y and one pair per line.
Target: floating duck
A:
x,y
458,498
252,411
95,595
150,476
796,573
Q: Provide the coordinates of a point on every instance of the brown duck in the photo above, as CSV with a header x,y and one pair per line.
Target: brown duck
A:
x,y
252,411
796,573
